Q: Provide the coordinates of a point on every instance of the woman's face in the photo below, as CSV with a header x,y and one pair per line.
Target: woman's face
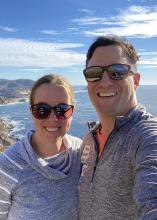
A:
x,y
51,129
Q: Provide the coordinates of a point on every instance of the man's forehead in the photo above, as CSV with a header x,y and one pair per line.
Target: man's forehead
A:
x,y
109,54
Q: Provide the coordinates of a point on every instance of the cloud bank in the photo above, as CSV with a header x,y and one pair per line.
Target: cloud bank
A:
x,y
135,21
26,53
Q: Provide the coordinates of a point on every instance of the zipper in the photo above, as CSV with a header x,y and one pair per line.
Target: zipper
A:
x,y
93,132
97,150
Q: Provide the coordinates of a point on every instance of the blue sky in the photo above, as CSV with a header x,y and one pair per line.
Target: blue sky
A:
x,y
38,37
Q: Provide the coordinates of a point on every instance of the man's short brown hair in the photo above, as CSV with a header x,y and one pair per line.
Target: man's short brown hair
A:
x,y
108,40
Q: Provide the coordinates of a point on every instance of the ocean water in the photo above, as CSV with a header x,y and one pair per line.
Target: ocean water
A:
x,y
19,115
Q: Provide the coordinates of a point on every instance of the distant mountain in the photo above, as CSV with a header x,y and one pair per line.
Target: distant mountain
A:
x,y
19,88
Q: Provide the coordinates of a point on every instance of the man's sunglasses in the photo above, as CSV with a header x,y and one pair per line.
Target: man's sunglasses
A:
x,y
42,111
115,72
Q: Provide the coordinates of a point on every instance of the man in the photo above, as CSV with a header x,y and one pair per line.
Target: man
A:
x,y
119,155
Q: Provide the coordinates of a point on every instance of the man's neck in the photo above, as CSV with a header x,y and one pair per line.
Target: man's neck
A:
x,y
107,124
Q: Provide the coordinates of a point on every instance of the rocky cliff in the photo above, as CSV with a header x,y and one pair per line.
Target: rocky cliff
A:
x,y
11,91
5,138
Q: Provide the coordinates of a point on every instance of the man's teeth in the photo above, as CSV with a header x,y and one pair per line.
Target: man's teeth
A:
x,y
104,94
51,129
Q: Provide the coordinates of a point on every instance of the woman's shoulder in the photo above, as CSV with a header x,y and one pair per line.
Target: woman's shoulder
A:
x,y
11,158
10,167
16,151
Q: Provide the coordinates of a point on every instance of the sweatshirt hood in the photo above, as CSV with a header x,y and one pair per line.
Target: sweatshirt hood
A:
x,y
42,166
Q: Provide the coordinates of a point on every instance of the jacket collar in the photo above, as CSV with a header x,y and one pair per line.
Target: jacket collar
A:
x,y
120,120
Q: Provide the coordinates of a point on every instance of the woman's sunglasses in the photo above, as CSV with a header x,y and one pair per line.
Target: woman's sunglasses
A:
x,y
115,72
42,111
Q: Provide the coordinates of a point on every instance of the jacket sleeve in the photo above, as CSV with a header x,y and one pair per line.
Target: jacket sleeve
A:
x,y
7,183
5,196
145,174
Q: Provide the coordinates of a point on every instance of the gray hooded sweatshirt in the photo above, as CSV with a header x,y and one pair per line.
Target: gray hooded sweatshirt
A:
x,y
34,188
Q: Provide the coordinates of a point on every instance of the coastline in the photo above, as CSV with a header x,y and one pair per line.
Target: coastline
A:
x,y
6,127
13,101
5,138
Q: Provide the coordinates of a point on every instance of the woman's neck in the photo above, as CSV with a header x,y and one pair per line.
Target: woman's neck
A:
x,y
45,149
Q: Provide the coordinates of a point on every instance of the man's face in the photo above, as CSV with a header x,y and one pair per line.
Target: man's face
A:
x,y
112,97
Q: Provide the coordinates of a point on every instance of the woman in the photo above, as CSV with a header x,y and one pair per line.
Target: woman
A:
x,y
39,175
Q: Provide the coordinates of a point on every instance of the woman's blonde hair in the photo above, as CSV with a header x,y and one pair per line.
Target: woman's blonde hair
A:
x,y
56,80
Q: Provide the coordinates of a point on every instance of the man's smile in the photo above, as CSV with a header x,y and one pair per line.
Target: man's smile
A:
x,y
106,94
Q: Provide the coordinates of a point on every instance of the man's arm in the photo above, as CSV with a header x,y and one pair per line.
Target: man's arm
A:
x,y
145,180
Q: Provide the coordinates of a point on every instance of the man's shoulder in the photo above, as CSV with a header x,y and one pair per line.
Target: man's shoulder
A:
x,y
143,127
145,118
141,117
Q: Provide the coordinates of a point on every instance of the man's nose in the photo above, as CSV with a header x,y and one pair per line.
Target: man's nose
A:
x,y
106,78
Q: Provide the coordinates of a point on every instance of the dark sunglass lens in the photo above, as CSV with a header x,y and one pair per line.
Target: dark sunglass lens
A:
x,y
63,111
117,71
41,111
93,74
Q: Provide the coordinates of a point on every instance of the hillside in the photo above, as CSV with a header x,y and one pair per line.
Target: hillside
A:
x,y
11,89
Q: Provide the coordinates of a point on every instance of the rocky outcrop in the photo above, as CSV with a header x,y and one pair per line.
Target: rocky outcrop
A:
x,y
12,91
2,100
5,138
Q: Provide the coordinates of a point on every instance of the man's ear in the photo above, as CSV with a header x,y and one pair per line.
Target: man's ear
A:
x,y
136,78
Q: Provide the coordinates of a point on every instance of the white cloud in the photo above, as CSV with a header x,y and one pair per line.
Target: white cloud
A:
x,y
7,29
148,62
25,53
148,58
132,30
146,53
50,32
87,11
135,21
32,69
149,67
90,20
139,14
72,28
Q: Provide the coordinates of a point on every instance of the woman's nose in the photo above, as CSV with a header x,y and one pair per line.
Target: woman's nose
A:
x,y
53,116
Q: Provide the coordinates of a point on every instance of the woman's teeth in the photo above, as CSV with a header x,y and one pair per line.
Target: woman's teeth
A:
x,y
52,129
